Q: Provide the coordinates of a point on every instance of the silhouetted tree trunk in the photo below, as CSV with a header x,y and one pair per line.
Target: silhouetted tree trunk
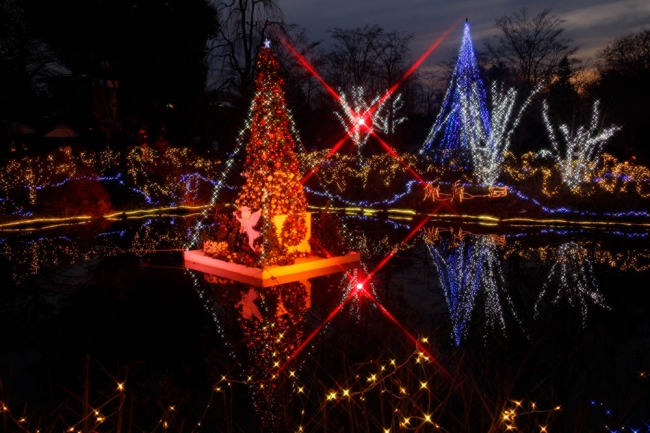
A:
x,y
624,89
563,96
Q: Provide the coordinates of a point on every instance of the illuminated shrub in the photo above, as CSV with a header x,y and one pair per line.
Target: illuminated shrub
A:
x,y
76,197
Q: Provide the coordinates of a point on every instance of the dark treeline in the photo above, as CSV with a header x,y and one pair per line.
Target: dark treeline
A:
x,y
182,71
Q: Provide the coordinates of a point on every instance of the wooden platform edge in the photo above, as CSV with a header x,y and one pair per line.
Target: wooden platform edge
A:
x,y
303,268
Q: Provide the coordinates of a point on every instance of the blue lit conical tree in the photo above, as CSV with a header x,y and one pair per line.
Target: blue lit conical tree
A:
x,y
470,274
463,115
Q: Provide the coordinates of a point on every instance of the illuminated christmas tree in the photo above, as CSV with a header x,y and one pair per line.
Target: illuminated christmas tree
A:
x,y
272,185
271,225
464,114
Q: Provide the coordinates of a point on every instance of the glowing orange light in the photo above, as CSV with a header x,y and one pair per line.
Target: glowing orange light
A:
x,y
331,152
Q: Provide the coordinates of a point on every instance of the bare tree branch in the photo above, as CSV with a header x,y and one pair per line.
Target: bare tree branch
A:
x,y
243,26
531,48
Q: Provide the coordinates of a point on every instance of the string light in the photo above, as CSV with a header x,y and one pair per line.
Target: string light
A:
x,y
359,118
463,111
353,390
339,174
579,155
517,410
481,265
489,147
573,278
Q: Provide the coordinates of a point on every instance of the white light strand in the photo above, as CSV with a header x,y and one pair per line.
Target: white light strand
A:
x,y
489,148
572,276
580,154
359,118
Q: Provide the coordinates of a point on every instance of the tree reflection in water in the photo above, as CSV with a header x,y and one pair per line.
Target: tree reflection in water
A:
x,y
470,273
572,278
360,372
265,326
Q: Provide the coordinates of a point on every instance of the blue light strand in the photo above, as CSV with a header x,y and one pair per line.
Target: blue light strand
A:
x,y
564,210
467,270
624,178
518,193
70,179
340,199
463,111
220,184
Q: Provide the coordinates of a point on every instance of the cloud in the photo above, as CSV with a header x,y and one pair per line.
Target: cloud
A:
x,y
604,16
593,27
590,25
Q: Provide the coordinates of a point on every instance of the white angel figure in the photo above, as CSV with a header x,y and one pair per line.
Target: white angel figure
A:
x,y
247,222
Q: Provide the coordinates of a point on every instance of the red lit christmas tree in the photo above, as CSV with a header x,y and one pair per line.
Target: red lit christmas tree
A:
x,y
271,206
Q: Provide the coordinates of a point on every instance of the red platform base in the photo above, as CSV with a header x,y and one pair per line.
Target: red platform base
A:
x,y
303,268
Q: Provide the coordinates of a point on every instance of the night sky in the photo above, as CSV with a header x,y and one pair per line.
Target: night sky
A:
x,y
591,23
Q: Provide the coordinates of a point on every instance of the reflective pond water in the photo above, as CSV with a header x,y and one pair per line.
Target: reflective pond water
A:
x,y
462,328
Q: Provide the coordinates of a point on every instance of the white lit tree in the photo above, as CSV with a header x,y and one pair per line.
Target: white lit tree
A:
x,y
489,147
360,118
579,155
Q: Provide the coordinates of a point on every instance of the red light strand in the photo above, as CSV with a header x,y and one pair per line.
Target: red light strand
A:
x,y
396,249
413,67
316,331
310,68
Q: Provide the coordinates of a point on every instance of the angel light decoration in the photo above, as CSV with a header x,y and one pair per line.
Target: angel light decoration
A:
x,y
248,221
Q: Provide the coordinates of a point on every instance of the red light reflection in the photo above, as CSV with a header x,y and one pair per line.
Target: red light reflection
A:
x,y
359,287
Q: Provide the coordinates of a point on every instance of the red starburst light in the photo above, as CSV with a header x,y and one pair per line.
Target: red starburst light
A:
x,y
301,59
362,121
